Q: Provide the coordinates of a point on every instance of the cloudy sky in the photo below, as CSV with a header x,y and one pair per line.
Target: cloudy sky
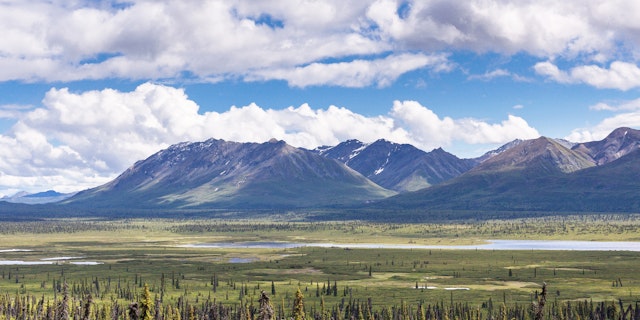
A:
x,y
87,87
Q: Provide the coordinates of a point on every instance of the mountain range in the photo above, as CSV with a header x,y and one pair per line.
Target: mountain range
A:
x,y
398,167
222,174
48,196
543,175
538,175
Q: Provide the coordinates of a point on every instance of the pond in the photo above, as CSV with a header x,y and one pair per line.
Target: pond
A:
x,y
559,245
42,261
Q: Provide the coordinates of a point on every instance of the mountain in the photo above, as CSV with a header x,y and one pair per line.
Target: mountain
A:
x,y
399,167
37,198
538,156
493,153
617,144
538,175
221,174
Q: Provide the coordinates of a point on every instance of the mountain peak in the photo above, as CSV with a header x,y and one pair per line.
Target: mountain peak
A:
x,y
219,174
543,153
617,144
399,167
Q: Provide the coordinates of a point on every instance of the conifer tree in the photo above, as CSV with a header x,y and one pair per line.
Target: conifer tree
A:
x,y
62,312
266,309
146,304
421,315
298,306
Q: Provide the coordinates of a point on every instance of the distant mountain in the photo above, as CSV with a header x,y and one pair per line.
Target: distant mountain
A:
x,y
539,156
498,151
538,175
399,167
221,174
49,196
617,144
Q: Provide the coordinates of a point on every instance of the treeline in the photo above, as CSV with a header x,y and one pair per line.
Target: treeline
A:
x,y
66,226
246,226
146,306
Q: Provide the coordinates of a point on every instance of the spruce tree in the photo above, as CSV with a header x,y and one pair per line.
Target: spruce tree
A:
x,y
146,304
266,309
298,306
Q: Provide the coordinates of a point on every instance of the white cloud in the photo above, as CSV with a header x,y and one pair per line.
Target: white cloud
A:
x,y
542,28
605,127
357,73
552,71
627,115
624,106
13,111
61,41
79,140
620,75
427,130
498,73
489,75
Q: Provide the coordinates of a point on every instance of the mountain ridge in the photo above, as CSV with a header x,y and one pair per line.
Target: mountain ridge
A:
x,y
539,175
221,174
399,167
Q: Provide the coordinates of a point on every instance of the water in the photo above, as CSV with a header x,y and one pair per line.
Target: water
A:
x,y
242,260
251,244
559,245
44,261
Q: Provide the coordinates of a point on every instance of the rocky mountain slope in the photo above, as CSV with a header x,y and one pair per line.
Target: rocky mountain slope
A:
x,y
543,175
617,144
221,174
533,175
399,167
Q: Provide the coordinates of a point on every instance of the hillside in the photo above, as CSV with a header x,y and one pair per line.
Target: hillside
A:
x,y
536,175
617,144
399,167
221,174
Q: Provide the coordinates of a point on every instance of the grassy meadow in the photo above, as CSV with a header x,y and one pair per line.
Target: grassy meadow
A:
x,y
131,253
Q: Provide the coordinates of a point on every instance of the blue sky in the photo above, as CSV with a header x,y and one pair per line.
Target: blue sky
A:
x,y
89,87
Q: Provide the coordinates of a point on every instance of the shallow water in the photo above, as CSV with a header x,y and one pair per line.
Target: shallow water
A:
x,y
559,245
242,260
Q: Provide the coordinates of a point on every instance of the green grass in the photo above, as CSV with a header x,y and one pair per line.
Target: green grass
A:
x,y
134,252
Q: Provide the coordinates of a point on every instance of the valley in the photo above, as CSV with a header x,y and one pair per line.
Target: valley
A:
x,y
201,230
112,260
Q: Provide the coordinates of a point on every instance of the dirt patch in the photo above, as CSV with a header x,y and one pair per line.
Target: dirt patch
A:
x,y
502,285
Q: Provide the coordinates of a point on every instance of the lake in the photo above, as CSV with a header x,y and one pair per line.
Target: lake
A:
x,y
559,245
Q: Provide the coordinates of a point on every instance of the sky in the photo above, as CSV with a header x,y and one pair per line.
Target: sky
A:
x,y
89,87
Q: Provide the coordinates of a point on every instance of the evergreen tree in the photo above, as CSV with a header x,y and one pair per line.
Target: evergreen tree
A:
x,y
146,304
266,309
62,312
298,306
421,315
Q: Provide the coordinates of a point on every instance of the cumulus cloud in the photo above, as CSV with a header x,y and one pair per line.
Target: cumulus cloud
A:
x,y
620,75
244,39
627,114
81,139
357,73
542,28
